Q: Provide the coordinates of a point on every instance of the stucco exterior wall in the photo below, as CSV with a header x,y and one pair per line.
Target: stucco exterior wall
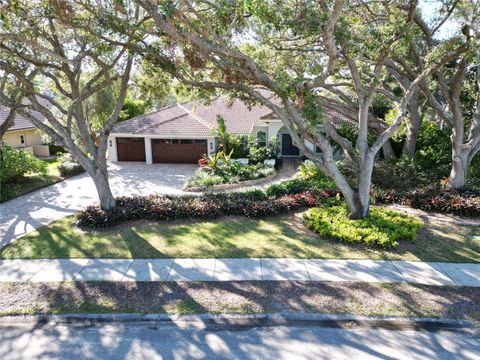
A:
x,y
112,149
31,137
273,128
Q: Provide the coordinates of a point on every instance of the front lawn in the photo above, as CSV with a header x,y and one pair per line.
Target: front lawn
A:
x,y
234,237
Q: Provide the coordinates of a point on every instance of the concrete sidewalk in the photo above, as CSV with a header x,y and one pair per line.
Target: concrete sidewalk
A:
x,y
433,273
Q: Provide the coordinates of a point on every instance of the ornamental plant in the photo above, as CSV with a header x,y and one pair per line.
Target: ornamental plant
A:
x,y
15,163
383,228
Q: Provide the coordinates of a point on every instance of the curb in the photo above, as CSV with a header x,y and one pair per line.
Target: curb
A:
x,y
240,321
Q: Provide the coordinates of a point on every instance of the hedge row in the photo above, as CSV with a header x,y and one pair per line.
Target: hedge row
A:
x,y
157,207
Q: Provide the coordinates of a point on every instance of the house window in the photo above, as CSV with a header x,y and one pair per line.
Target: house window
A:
x,y
22,139
262,138
318,150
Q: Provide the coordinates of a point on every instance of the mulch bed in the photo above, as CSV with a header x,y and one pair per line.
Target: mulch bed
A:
x,y
242,297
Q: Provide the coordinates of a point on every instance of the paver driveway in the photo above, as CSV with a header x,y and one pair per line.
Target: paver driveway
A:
x,y
28,212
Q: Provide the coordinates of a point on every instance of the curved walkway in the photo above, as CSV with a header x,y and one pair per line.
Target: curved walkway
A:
x,y
28,212
248,269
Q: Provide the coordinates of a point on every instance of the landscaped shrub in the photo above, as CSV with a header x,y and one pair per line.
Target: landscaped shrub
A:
x,y
309,179
258,154
383,228
70,169
235,145
156,207
15,163
68,165
203,179
55,149
402,174
459,202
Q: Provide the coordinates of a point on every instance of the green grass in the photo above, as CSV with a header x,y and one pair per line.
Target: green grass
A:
x,y
283,236
31,182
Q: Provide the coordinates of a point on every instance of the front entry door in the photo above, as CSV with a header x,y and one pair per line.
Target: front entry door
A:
x,y
288,149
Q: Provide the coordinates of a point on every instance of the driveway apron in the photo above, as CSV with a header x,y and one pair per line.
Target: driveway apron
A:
x,y
33,210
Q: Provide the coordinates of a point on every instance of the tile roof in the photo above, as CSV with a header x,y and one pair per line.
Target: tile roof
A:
x,y
170,121
196,119
20,121
239,119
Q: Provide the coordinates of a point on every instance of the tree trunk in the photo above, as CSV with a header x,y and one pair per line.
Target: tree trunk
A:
x,y
388,152
107,201
413,127
458,173
99,175
358,209
361,199
358,206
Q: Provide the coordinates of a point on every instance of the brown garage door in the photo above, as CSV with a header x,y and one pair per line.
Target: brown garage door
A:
x,y
178,151
131,149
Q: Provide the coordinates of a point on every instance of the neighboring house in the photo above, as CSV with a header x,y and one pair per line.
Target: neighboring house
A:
x,y
23,134
183,133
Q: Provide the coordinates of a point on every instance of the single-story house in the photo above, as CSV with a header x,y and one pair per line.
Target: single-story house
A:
x,y
183,133
23,134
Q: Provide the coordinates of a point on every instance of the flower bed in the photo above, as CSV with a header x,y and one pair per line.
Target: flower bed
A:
x,y
208,206
221,169
230,186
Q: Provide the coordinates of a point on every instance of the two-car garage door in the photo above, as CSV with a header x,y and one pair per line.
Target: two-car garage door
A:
x,y
180,151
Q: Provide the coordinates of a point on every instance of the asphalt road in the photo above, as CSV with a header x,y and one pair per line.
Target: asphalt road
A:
x,y
173,342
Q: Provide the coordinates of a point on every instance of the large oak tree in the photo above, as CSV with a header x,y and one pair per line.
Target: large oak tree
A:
x,y
311,55
448,93
51,51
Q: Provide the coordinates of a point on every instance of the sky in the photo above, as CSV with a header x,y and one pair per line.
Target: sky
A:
x,y
430,10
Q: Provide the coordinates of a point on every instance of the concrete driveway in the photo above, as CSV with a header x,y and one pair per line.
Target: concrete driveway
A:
x,y
31,211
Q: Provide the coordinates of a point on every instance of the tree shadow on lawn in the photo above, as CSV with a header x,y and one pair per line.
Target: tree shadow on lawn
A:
x,y
140,248
234,237
443,242
286,236
438,241
55,243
